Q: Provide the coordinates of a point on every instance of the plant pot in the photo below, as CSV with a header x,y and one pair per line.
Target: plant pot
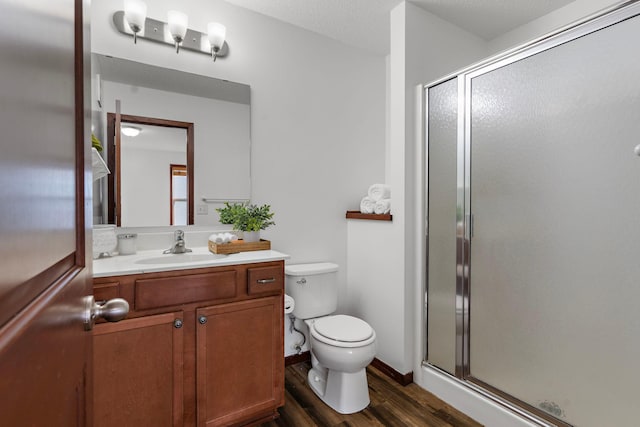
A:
x,y
252,236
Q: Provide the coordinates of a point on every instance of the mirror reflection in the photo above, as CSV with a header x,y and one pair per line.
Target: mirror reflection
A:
x,y
140,190
165,149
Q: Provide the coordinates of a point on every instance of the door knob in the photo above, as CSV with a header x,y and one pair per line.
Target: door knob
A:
x,y
113,310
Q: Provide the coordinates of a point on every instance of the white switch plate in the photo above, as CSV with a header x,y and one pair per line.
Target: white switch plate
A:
x,y
202,210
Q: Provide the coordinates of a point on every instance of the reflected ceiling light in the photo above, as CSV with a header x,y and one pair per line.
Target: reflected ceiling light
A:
x,y
217,33
131,131
175,32
135,13
177,26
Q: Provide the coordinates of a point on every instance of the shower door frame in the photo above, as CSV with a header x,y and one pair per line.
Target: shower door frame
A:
x,y
464,215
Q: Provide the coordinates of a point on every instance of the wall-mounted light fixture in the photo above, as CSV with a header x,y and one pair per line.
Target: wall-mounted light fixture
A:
x,y
134,21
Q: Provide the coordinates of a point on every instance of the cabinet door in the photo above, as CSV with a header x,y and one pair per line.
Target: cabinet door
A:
x,y
240,361
138,367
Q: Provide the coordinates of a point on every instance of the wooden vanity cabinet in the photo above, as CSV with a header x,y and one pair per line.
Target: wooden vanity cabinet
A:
x,y
238,360
200,347
138,372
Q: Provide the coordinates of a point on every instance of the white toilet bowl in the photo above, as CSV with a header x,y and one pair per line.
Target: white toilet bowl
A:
x,y
341,348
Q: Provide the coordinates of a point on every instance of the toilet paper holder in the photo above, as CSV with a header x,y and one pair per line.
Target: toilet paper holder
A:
x,y
288,304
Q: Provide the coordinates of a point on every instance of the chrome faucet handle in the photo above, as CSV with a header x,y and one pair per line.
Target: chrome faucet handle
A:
x,y
178,235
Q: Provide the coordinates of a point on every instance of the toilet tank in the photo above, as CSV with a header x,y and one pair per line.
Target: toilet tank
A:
x,y
313,287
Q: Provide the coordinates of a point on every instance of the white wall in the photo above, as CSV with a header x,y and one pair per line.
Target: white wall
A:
x,y
222,146
552,21
382,259
317,117
139,204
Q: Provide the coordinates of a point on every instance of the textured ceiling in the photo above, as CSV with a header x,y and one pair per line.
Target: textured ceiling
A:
x,y
365,23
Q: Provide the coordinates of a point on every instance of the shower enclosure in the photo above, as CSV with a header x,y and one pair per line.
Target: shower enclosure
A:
x,y
533,269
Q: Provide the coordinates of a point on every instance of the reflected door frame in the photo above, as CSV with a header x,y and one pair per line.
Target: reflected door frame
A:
x,y
114,207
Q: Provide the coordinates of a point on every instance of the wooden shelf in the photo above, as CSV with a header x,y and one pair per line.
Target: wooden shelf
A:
x,y
374,217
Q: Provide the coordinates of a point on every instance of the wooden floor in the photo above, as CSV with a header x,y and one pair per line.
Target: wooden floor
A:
x,y
391,405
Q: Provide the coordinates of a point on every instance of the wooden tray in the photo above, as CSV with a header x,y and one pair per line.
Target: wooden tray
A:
x,y
239,246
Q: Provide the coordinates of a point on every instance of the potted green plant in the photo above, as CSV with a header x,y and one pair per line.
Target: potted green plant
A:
x,y
253,219
230,212
249,219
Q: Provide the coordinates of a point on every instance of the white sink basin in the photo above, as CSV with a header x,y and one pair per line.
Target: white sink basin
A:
x,y
179,259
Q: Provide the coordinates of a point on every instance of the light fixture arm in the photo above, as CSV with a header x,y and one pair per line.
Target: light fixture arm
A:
x,y
157,31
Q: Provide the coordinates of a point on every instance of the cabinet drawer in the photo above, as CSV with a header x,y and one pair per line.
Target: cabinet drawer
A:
x,y
161,292
265,280
106,291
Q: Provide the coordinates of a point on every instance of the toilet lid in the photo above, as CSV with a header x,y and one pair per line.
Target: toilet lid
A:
x,y
343,328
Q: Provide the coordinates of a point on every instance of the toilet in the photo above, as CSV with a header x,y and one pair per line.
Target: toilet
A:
x,y
341,346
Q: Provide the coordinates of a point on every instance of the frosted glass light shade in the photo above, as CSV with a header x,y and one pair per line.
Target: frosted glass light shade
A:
x,y
132,131
178,23
135,12
217,33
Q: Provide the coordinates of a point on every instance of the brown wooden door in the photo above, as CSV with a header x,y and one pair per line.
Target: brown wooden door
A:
x,y
138,372
239,361
45,375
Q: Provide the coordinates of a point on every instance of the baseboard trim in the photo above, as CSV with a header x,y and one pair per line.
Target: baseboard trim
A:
x,y
297,358
402,379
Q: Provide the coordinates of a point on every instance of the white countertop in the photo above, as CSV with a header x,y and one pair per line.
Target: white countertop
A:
x,y
149,261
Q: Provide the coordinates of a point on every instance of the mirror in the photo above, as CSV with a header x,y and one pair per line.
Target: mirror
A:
x,y
218,168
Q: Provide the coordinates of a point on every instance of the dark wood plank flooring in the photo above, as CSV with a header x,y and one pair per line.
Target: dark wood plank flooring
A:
x,y
391,405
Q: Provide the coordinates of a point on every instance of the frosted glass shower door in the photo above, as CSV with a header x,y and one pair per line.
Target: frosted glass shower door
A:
x,y
555,252
442,143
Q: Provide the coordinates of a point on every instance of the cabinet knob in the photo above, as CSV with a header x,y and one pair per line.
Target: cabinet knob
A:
x,y
177,323
202,320
113,310
264,281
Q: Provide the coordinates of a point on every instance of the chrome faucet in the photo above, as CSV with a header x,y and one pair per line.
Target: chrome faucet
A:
x,y
178,246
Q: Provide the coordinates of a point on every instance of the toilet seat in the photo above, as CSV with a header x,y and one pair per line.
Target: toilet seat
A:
x,y
342,331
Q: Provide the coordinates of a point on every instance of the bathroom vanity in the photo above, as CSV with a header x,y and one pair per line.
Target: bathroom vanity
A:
x,y
202,344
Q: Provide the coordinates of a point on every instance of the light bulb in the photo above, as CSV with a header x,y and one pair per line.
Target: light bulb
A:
x,y
217,33
178,23
135,13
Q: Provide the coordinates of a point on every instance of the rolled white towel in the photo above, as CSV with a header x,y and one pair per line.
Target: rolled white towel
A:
x,y
379,192
382,206
367,204
217,238
220,238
